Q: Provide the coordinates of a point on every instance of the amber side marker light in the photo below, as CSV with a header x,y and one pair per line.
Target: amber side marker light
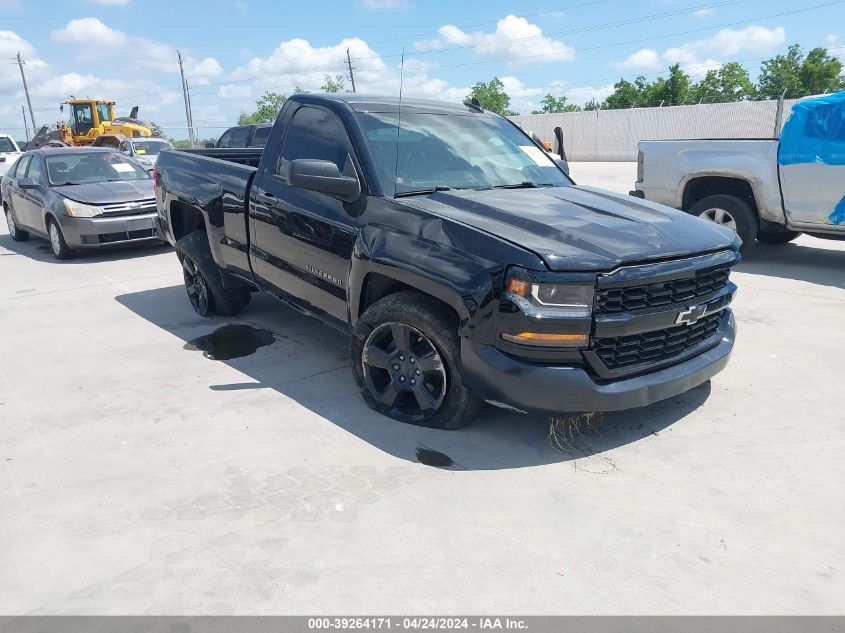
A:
x,y
539,338
518,287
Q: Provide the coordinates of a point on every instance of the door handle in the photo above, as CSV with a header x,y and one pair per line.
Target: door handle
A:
x,y
266,198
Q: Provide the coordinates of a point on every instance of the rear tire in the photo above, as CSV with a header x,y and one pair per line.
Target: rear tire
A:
x,y
728,211
777,237
203,281
18,235
58,245
405,352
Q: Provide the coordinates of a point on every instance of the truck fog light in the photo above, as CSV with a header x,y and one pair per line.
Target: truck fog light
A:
x,y
547,340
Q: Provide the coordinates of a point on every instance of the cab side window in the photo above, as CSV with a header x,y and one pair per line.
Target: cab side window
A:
x,y
239,136
36,171
313,133
226,139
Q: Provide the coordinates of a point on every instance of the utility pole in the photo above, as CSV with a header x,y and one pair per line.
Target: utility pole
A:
x,y
20,63
187,103
351,74
191,114
25,128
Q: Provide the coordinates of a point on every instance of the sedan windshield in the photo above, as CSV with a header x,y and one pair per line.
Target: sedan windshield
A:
x,y
151,148
455,151
82,167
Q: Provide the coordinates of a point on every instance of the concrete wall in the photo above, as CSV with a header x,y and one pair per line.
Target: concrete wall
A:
x,y
612,135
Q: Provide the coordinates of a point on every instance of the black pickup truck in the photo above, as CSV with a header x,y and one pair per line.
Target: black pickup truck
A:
x,y
464,264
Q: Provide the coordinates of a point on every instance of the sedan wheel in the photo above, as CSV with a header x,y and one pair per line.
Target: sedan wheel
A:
x,y
404,372
57,242
16,234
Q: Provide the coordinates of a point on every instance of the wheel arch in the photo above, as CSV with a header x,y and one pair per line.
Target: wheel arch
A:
x,y
700,186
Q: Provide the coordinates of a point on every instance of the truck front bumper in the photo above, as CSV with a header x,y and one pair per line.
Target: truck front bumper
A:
x,y
108,231
535,388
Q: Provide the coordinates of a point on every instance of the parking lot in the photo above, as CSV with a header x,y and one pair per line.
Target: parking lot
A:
x,y
140,476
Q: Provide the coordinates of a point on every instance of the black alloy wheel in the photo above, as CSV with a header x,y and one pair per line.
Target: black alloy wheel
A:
x,y
196,287
404,372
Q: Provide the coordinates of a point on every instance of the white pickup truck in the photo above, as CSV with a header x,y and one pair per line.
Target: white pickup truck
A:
x,y
9,152
769,189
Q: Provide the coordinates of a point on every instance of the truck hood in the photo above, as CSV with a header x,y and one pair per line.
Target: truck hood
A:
x,y
108,192
580,228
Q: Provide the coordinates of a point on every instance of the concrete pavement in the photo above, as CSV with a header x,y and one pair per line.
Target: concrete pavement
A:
x,y
142,477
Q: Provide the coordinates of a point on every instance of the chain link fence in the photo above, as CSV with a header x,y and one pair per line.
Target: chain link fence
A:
x,y
612,135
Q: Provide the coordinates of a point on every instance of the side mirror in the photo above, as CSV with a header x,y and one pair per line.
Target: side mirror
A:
x,y
27,183
562,164
209,146
323,176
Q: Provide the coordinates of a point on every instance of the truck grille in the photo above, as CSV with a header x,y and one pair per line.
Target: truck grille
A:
x,y
657,346
135,207
705,282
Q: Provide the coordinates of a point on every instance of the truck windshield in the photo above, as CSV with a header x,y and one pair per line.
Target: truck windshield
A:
x,y
82,167
6,145
455,151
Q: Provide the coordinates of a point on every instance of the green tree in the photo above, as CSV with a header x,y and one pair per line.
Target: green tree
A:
x,y
267,109
625,94
333,84
552,104
820,72
730,82
592,105
781,75
492,96
676,89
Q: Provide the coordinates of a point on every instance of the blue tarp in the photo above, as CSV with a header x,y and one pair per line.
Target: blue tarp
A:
x,y
815,133
838,215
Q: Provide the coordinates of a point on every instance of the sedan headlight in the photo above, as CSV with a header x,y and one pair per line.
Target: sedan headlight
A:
x,y
80,210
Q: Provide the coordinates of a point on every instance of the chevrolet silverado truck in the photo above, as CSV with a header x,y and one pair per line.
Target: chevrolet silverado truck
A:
x,y
463,263
770,189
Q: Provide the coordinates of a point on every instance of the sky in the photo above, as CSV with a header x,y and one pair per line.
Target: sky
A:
x,y
234,50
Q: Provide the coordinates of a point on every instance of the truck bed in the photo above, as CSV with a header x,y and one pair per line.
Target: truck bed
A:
x,y
241,155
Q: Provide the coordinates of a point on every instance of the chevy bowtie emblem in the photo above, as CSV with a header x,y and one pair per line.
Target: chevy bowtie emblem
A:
x,y
692,315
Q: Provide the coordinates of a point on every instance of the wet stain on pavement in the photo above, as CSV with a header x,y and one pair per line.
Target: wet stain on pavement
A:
x,y
430,457
231,341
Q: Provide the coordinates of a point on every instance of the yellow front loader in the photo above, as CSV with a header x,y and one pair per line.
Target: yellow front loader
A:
x,y
88,119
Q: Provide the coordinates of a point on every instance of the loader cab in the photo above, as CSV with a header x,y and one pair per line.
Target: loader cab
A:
x,y
89,114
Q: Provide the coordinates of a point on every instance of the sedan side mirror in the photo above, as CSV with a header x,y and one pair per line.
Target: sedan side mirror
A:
x,y
323,176
27,183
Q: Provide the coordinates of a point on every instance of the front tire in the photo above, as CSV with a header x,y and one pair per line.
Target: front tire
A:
x,y
405,352
728,211
61,250
18,235
203,282
777,237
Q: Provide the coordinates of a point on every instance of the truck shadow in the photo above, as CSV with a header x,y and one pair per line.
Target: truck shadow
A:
x,y
39,250
308,363
822,266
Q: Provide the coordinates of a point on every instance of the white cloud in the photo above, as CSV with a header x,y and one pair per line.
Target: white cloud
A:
x,y
93,38
703,14
91,33
10,44
584,94
385,4
514,37
695,57
643,59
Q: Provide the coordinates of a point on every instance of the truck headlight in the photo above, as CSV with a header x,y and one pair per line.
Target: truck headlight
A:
x,y
80,210
550,300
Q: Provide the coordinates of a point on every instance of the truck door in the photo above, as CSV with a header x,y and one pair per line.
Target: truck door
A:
x,y
302,240
811,159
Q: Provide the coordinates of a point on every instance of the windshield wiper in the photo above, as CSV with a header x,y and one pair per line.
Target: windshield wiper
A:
x,y
420,192
525,185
